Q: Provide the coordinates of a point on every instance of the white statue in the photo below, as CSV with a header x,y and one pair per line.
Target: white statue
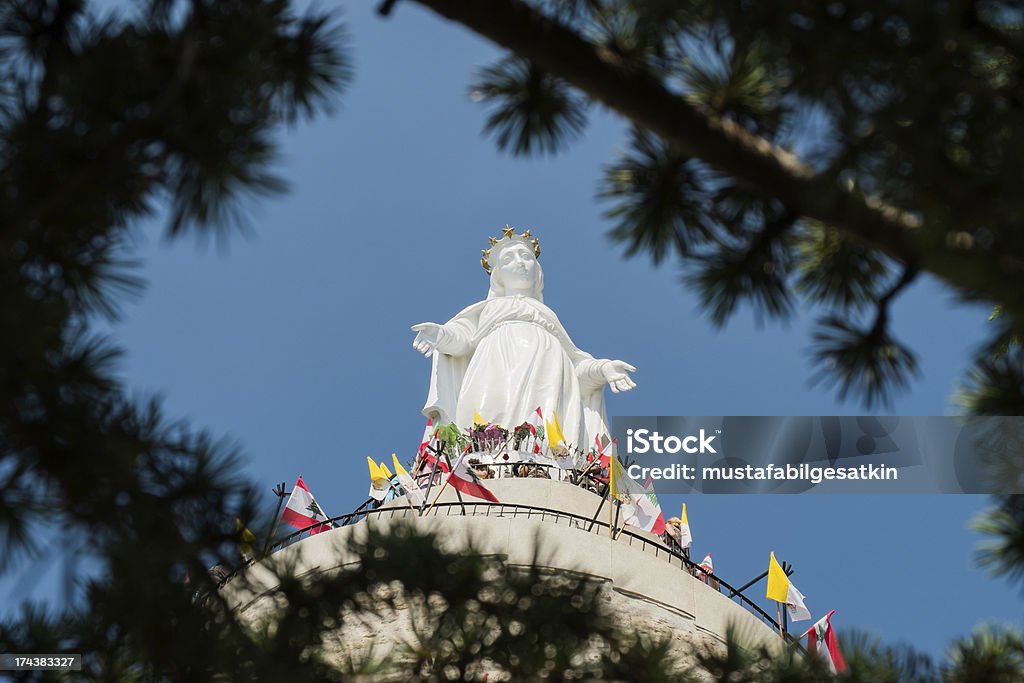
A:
x,y
508,355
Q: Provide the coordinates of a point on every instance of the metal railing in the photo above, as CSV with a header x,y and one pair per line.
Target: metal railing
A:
x,y
526,469
513,510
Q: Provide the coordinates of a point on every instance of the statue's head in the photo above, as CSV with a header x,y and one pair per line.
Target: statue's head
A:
x,y
512,264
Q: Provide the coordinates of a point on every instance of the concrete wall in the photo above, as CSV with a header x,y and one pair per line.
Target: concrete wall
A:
x,y
650,592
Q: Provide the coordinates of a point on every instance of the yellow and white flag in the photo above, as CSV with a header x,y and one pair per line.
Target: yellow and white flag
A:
x,y
781,589
685,537
556,439
378,480
412,489
246,540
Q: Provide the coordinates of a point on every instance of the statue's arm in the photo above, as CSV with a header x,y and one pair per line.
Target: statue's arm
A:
x,y
596,372
588,370
452,338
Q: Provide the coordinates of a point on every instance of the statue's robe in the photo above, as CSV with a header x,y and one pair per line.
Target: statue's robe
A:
x,y
512,355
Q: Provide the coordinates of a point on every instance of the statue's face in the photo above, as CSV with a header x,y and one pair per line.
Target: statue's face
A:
x,y
518,267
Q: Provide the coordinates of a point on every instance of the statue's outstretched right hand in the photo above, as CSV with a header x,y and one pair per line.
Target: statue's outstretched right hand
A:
x,y
427,337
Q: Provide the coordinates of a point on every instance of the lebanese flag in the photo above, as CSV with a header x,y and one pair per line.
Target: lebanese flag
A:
x,y
822,641
429,459
535,425
302,511
425,456
652,509
603,442
707,565
638,504
647,515
605,453
464,479
429,432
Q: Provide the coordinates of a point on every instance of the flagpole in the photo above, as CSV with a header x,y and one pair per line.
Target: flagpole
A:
x,y
279,491
619,531
778,615
451,469
598,510
417,464
458,494
395,489
436,499
612,497
462,503
433,473
618,511
748,584
611,524
586,469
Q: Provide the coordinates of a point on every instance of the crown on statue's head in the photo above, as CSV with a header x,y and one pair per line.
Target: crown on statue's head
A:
x,y
508,237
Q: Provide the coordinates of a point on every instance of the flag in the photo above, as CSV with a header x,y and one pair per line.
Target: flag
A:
x,y
639,504
425,456
246,539
412,489
615,477
464,479
390,491
478,419
821,640
428,436
781,589
301,510
685,537
651,509
378,481
429,460
556,439
537,426
707,565
797,610
426,443
604,451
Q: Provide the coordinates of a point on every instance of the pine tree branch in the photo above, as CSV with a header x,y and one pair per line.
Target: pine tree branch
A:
x,y
975,22
635,93
882,316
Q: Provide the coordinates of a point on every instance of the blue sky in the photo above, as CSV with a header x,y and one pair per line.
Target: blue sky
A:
x,y
295,341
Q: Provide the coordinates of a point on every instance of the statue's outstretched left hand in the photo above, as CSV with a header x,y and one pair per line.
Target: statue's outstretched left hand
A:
x,y
616,374
428,336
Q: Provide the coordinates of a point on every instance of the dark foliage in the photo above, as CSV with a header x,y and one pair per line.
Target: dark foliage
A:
x,y
104,118
888,133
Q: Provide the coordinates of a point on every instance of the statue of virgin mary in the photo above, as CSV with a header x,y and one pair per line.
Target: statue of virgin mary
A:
x,y
507,355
